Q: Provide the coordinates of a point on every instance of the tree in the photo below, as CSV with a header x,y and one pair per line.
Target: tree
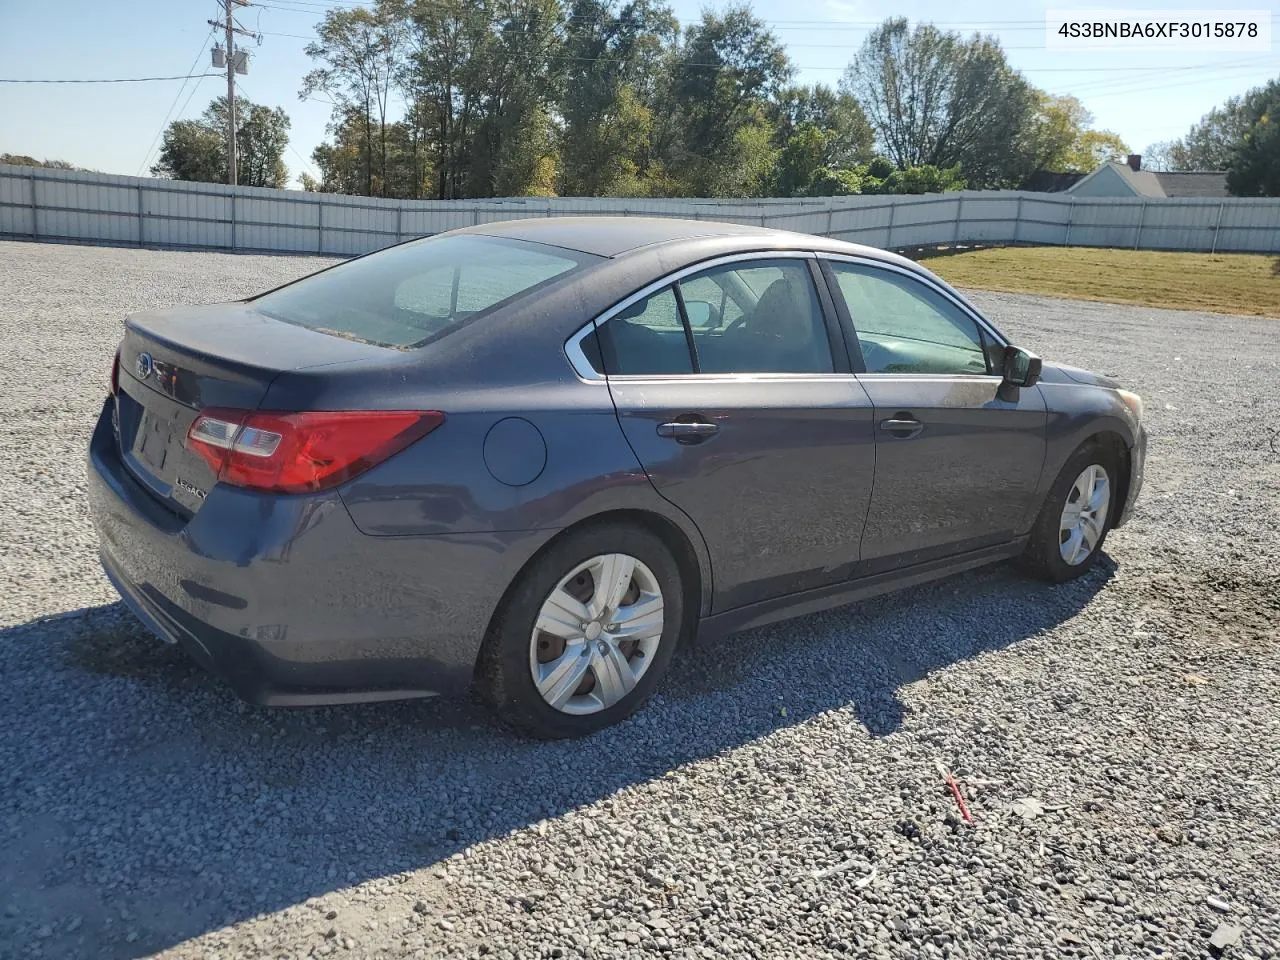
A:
x,y
197,150
1254,167
1158,156
1058,124
1211,143
262,136
849,137
514,140
820,131
722,78
360,52
193,150
936,99
343,167
22,160
803,161
614,58
1092,149
923,179
444,79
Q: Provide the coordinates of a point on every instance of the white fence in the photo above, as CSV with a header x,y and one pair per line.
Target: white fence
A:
x,y
42,204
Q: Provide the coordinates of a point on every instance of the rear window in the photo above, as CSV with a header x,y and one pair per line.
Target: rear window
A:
x,y
408,295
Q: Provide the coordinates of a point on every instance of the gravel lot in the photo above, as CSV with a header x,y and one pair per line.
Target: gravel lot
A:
x,y
779,798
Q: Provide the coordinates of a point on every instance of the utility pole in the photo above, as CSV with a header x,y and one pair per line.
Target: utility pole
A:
x,y
231,98
237,61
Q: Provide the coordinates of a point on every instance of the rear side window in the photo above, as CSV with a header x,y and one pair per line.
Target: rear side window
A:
x,y
408,295
646,339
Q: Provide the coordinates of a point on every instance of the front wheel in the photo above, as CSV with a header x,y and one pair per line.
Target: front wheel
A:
x,y
1073,523
585,634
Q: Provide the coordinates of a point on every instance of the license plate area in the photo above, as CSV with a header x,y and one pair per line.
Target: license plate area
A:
x,y
152,432
151,443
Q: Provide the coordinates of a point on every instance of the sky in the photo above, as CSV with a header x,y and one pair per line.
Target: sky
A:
x,y
1144,96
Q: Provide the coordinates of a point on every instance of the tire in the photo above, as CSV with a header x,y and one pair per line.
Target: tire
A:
x,y
511,651
1044,554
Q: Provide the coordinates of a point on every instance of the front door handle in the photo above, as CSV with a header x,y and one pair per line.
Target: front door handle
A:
x,y
902,428
688,432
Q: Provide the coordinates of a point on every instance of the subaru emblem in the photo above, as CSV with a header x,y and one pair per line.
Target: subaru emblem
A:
x,y
143,366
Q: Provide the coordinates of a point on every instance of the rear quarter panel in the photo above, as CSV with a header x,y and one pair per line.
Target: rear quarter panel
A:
x,y
568,441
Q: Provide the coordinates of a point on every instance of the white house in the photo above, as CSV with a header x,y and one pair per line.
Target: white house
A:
x,y
1114,179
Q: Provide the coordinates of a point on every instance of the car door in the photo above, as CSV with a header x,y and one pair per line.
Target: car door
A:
x,y
958,456
732,386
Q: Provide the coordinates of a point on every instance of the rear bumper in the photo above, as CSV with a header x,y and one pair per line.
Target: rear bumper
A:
x,y
284,598
1137,466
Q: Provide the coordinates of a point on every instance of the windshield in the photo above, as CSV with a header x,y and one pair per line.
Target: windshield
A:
x,y
410,294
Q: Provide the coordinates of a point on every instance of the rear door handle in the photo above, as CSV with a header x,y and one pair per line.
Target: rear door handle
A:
x,y
685,432
903,429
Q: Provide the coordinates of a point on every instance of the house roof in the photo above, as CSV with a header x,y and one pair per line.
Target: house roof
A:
x,y
1047,181
1149,183
1200,183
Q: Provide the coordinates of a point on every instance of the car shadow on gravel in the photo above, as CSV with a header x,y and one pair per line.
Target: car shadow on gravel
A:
x,y
149,806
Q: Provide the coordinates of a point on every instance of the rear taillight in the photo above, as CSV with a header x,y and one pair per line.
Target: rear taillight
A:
x,y
115,373
302,452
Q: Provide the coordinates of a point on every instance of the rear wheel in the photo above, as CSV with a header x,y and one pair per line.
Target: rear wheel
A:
x,y
585,634
1075,518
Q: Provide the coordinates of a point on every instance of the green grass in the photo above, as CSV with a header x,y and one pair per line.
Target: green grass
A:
x,y
1238,283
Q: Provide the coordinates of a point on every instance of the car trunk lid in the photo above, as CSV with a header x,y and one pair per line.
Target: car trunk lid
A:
x,y
176,363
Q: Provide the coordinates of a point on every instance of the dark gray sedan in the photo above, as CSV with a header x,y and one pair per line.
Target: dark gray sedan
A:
x,y
536,456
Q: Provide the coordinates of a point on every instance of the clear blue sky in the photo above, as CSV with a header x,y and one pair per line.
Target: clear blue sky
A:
x,y
113,127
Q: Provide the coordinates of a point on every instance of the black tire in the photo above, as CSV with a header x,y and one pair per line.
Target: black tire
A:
x,y
503,676
1043,557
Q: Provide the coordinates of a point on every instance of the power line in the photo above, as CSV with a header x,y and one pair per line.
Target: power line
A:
x,y
322,7
188,76
1162,86
1090,86
824,24
803,67
165,122
288,142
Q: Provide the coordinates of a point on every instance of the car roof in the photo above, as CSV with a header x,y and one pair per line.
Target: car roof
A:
x,y
614,237
633,253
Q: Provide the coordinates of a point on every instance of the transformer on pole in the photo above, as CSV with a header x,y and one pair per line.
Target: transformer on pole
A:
x,y
233,61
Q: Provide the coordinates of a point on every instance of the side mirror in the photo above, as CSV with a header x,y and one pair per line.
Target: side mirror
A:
x,y
1021,369
699,313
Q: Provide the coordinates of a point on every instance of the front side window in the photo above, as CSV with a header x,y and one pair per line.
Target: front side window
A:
x,y
407,295
905,327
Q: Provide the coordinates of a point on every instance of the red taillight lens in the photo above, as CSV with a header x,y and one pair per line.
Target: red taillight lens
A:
x,y
115,373
302,452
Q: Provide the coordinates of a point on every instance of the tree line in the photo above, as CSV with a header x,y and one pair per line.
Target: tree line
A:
x,y
1241,137
479,98
453,99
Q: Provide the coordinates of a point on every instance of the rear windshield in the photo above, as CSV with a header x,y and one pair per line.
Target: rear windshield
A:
x,y
410,294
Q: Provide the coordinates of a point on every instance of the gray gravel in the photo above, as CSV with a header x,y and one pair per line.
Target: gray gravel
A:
x,y
779,798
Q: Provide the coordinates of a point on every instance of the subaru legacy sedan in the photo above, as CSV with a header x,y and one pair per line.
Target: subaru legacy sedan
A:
x,y
535,457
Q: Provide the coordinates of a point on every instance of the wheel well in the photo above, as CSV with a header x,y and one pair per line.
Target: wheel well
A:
x,y
672,538
1114,444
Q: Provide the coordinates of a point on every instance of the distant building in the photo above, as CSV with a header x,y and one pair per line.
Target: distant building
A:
x,y
1114,179
1049,181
